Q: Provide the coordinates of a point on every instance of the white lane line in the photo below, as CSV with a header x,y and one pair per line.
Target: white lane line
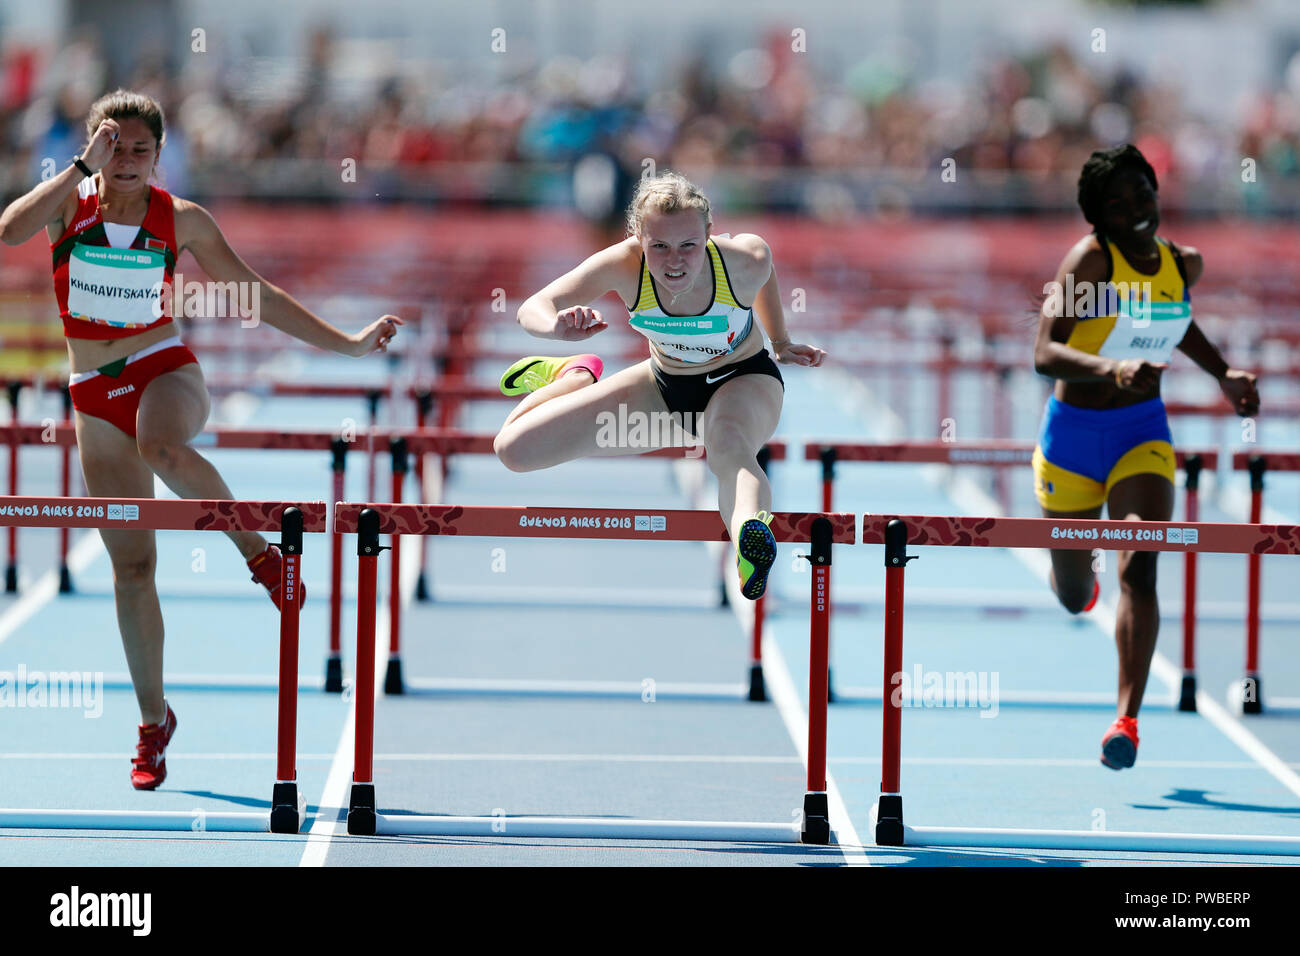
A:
x,y
785,697
331,813
80,556
671,758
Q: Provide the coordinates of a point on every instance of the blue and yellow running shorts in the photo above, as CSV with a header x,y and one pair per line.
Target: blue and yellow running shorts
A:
x,y
1083,452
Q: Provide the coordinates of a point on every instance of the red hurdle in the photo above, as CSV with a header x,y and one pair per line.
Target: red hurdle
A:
x,y
371,520
292,520
1257,463
896,532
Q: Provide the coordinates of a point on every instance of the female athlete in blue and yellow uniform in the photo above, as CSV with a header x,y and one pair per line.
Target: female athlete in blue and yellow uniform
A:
x,y
1105,437
686,292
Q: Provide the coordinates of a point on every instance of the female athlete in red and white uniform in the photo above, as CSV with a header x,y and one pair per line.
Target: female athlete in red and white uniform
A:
x,y
137,390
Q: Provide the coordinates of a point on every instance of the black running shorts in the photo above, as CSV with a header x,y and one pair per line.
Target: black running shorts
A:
x,y
690,394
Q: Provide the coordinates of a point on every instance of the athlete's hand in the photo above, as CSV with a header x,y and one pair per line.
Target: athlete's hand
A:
x,y
102,144
1138,375
1241,391
578,322
792,353
375,336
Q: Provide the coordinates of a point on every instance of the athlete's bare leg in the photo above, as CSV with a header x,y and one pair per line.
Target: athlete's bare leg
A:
x,y
741,416
173,409
1143,497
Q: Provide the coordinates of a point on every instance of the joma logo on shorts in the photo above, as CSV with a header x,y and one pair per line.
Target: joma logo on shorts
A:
x,y
118,392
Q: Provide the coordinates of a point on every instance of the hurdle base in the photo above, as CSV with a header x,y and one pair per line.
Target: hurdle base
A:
x,y
393,677
11,579
287,807
757,687
333,674
1252,695
726,598
421,588
585,828
889,820
1187,695
361,810
65,580
816,826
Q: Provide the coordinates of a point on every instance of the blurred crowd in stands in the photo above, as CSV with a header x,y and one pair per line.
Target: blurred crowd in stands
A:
x,y
768,111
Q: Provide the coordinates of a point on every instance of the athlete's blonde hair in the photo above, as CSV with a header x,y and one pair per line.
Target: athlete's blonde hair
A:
x,y
666,193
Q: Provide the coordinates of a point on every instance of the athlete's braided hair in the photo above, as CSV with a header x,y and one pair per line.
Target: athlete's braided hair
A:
x,y
1097,173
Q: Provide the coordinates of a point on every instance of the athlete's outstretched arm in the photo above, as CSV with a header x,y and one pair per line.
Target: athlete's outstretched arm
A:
x,y
559,311
1238,386
197,231
771,314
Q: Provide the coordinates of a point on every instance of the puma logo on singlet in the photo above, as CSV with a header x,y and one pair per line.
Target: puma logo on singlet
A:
x,y
118,392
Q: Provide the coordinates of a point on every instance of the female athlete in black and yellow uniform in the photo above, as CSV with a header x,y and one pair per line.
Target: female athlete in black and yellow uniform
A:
x,y
1105,437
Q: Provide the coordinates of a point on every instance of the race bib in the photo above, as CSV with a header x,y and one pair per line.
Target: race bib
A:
x,y
117,287
1147,330
690,338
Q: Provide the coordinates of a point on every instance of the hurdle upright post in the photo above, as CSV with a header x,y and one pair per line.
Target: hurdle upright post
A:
x,y
816,812
65,489
889,811
1252,696
11,568
393,675
334,657
286,810
361,801
1187,694
372,402
827,455
423,405
757,686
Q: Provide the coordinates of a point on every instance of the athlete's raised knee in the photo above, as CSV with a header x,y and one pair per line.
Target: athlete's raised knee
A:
x,y
513,453
160,453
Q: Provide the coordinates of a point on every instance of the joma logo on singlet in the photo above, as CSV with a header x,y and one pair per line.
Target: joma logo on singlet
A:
x,y
85,222
118,392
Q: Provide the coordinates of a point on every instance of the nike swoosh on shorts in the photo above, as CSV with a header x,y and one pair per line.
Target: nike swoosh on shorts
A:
x,y
709,379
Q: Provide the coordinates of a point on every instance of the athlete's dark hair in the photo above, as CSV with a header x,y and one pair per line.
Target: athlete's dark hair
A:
x,y
1097,173
126,104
